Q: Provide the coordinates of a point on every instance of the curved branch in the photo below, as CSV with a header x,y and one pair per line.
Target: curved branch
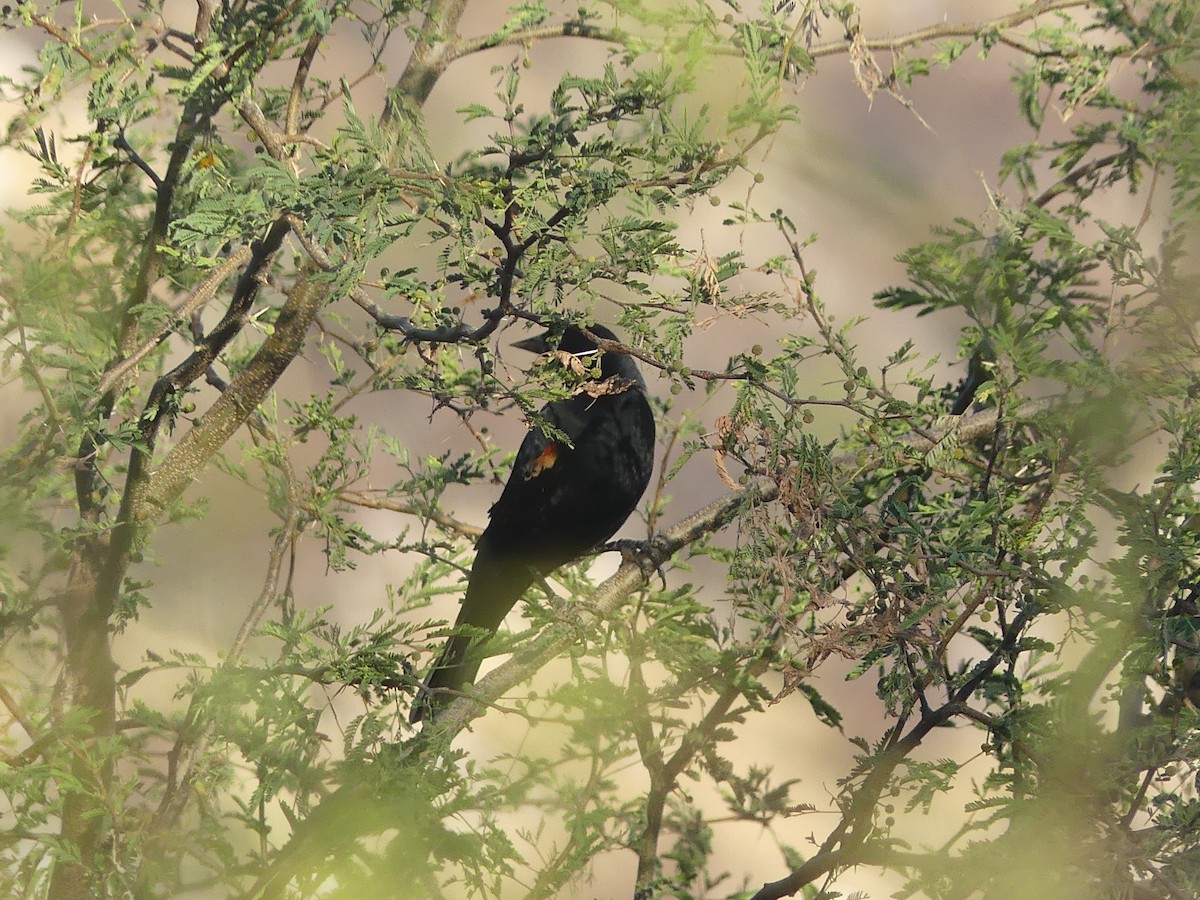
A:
x,y
851,836
941,31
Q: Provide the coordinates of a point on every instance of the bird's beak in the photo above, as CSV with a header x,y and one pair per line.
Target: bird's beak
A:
x,y
535,344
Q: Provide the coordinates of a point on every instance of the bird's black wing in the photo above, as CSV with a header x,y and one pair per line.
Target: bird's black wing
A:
x,y
563,498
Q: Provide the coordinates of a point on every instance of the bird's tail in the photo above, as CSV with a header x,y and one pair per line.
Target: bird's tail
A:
x,y
497,582
456,667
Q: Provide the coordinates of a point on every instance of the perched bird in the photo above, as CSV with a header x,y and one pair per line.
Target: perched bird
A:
x,y
562,499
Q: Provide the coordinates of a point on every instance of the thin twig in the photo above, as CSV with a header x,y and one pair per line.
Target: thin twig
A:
x,y
359,498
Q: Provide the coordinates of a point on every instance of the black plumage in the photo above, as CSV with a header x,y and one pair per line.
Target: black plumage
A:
x,y
561,500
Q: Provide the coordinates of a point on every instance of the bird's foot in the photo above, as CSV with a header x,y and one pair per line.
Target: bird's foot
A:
x,y
648,556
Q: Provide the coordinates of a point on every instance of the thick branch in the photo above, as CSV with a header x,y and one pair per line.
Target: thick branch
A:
x,y
235,405
158,409
430,57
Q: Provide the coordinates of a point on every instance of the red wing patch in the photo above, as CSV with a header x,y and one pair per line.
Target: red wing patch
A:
x,y
545,460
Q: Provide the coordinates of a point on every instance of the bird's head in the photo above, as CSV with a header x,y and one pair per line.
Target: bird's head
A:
x,y
570,340
573,340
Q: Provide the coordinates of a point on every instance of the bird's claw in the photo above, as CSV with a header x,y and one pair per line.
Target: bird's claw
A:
x,y
648,556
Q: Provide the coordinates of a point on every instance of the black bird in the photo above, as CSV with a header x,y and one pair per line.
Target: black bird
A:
x,y
561,501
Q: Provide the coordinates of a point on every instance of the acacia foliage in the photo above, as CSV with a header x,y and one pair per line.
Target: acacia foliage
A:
x,y
223,213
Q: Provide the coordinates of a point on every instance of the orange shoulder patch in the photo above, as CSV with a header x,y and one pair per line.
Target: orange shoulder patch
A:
x,y
545,460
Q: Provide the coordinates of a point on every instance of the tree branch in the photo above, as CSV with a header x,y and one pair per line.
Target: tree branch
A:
x,y
115,378
527,36
359,498
188,458
429,59
948,30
